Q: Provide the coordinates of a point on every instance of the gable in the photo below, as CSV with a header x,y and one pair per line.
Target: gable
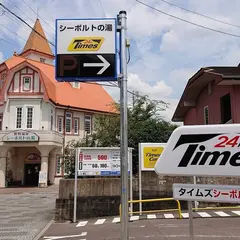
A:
x,y
25,82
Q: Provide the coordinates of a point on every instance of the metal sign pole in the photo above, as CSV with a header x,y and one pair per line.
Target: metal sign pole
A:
x,y
75,187
140,176
190,213
131,180
124,128
195,182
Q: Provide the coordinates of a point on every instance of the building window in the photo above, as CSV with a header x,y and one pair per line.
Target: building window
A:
x,y
76,126
206,115
88,124
60,124
68,122
26,83
42,60
209,88
59,165
76,84
226,113
19,118
1,120
29,117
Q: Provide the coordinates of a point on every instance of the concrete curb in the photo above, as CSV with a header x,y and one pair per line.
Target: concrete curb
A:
x,y
43,230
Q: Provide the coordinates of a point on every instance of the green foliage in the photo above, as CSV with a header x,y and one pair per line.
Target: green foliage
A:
x,y
145,124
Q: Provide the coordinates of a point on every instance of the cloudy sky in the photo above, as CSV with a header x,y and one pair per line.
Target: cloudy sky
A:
x,y
165,52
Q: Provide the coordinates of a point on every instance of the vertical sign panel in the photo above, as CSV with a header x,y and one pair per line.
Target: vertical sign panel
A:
x,y
86,49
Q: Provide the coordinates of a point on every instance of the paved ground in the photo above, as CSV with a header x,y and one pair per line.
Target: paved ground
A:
x,y
24,212
199,214
154,229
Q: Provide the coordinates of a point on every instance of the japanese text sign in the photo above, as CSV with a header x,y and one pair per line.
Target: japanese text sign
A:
x,y
21,136
207,193
149,154
86,49
212,150
99,161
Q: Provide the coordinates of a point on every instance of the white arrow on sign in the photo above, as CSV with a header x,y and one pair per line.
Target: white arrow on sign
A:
x,y
104,64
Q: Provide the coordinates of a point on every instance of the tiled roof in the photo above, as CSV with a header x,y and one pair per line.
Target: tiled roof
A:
x,y
225,71
37,41
89,96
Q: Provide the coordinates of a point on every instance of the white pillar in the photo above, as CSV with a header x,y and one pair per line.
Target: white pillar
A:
x,y
52,166
3,167
44,164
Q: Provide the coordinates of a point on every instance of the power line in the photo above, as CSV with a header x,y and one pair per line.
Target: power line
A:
x,y
184,20
37,14
111,84
100,2
13,32
26,15
2,39
200,14
25,23
25,27
21,11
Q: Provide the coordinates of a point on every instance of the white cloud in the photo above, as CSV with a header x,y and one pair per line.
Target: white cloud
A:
x,y
165,52
159,91
156,91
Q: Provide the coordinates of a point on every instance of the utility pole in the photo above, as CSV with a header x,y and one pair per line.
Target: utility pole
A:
x,y
122,18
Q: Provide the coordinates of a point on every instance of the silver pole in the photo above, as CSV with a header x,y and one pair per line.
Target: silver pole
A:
x,y
124,128
75,187
195,182
131,179
190,212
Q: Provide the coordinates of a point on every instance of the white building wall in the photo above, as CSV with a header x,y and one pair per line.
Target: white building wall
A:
x,y
45,112
16,82
10,120
36,57
36,83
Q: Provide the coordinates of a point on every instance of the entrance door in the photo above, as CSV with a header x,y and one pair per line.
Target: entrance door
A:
x,y
32,174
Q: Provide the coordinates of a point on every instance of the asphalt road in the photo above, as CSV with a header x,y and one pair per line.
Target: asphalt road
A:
x,y
151,229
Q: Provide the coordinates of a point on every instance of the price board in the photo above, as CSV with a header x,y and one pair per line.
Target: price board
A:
x,y
99,162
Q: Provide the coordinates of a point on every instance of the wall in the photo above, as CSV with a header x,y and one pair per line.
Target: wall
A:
x,y
101,196
36,57
9,120
16,85
76,114
196,115
236,90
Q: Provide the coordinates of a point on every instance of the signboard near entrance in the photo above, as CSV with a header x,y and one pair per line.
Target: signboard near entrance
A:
x,y
42,177
212,150
207,193
21,136
86,49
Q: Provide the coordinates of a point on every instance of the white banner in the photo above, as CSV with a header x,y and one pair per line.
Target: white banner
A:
x,y
208,150
99,161
207,193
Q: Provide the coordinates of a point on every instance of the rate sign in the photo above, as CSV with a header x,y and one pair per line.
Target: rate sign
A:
x,y
86,49
206,193
99,162
212,150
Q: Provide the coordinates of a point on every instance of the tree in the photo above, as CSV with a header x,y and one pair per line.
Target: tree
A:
x,y
145,124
